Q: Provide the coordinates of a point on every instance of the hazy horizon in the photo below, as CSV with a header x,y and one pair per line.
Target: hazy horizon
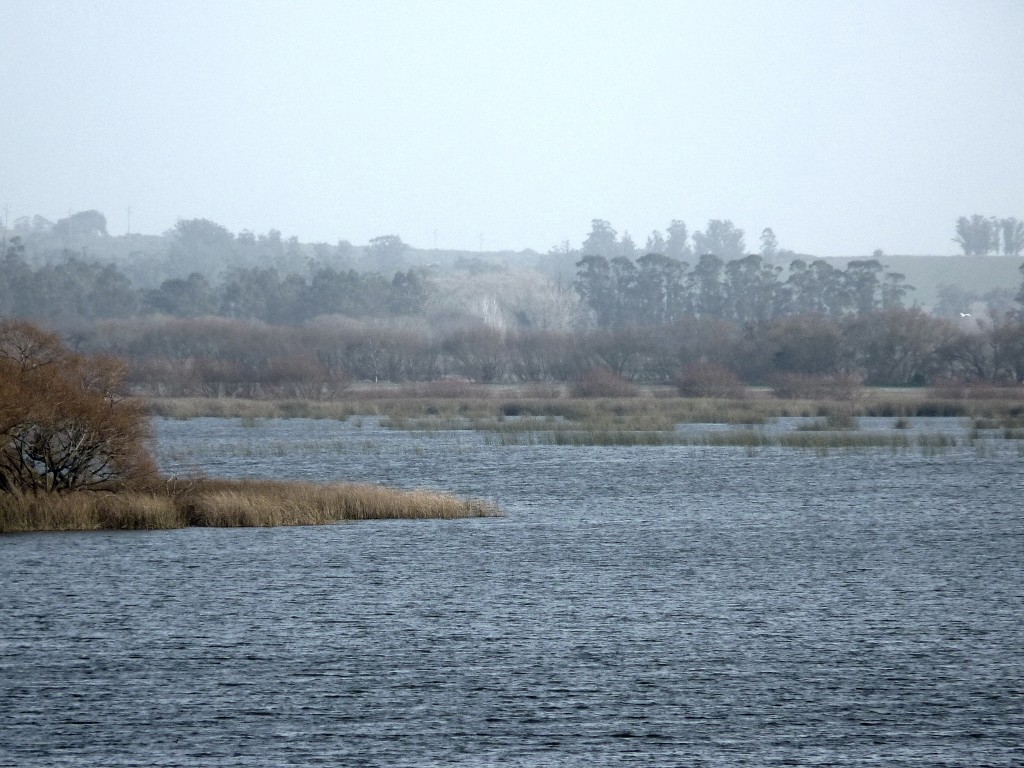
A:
x,y
510,126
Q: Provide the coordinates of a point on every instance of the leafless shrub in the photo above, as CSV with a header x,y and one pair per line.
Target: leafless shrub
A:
x,y
705,379
603,382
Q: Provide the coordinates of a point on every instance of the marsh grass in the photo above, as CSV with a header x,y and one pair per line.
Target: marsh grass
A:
x,y
835,421
478,402
84,511
230,504
821,441
510,417
250,412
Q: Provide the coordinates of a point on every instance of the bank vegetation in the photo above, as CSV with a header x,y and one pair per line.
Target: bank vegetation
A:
x,y
74,456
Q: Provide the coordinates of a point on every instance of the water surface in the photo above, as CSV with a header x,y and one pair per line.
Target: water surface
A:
x,y
635,606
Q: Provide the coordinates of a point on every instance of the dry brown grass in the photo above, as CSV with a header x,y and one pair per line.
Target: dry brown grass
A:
x,y
230,504
268,503
87,511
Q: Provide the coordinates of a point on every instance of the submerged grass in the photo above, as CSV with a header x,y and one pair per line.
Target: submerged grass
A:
x,y
230,503
820,441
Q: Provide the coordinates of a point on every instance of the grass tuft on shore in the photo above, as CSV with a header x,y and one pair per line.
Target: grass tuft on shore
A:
x,y
230,504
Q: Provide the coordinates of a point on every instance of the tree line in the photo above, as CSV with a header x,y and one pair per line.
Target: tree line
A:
x,y
981,235
78,290
657,289
227,357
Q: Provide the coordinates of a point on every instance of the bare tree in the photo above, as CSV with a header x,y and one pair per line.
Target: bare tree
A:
x,y
63,423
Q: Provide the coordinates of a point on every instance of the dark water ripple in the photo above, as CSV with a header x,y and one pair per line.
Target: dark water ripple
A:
x,y
636,606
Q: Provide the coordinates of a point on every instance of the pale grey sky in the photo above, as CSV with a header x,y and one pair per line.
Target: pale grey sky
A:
x,y
844,126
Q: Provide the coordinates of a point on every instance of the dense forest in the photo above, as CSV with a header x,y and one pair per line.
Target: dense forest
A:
x,y
200,310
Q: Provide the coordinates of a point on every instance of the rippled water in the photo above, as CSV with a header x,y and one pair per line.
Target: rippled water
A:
x,y
635,606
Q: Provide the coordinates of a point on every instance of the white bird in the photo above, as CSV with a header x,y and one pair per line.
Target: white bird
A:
x,y
965,314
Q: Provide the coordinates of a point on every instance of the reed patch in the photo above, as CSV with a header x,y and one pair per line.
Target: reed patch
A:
x,y
231,504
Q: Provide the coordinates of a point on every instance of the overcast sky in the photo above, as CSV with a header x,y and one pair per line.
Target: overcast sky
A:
x,y
844,126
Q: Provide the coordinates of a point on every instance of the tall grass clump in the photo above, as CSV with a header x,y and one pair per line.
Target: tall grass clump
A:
x,y
230,504
87,511
257,503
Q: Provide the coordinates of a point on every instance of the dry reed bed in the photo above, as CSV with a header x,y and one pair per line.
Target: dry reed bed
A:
x,y
636,413
231,504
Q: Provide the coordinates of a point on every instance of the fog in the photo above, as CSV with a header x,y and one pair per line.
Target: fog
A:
x,y
491,126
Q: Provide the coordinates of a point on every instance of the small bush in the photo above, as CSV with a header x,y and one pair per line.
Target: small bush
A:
x,y
603,382
709,380
800,386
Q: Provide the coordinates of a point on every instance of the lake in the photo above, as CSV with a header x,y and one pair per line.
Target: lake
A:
x,y
668,605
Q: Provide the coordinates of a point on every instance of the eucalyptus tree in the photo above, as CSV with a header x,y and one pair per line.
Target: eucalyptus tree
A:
x,y
769,244
815,288
1012,232
386,252
678,245
655,243
659,289
627,247
602,240
722,239
830,285
977,236
863,287
192,296
82,224
752,289
894,289
199,245
705,284
596,288
261,294
624,275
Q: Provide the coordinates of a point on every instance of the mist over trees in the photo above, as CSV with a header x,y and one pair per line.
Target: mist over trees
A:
x,y
201,310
